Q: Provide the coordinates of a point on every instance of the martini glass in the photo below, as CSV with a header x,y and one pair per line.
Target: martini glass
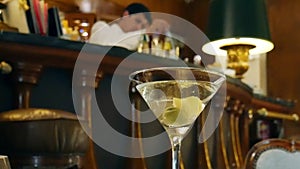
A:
x,y
177,96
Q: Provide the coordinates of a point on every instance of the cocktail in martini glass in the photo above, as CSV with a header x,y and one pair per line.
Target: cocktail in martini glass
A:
x,y
177,96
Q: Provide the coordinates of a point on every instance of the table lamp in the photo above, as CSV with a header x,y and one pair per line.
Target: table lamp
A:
x,y
237,29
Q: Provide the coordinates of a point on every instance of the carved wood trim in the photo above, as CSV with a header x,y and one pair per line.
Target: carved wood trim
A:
x,y
25,76
223,145
87,82
205,145
204,159
135,130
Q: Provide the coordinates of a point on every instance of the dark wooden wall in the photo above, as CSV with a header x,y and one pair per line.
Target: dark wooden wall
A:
x,y
284,62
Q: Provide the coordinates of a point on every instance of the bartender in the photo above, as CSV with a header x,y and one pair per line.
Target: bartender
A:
x,y
126,31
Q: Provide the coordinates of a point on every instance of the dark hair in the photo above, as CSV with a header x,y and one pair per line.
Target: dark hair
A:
x,y
134,8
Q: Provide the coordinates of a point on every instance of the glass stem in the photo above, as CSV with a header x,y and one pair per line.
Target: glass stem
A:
x,y
176,145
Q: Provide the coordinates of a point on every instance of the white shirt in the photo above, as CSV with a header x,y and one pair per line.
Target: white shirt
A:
x,y
112,35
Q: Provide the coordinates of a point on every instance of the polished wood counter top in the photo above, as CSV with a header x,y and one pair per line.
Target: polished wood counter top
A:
x,y
60,53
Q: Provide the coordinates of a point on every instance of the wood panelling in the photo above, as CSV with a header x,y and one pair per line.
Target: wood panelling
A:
x,y
63,5
283,62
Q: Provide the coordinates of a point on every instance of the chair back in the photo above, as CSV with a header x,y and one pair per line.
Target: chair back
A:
x,y
274,153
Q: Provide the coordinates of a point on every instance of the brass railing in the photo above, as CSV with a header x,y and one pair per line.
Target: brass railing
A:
x,y
272,114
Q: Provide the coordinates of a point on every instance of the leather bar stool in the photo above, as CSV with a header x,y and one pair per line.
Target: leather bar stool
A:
x,y
42,138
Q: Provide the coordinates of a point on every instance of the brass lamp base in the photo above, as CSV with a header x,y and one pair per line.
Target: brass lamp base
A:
x,y
238,57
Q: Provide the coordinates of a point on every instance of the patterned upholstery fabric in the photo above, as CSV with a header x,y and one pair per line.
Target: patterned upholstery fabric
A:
x,y
274,154
278,159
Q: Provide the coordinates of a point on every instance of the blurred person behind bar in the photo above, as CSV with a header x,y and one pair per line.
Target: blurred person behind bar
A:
x,y
126,31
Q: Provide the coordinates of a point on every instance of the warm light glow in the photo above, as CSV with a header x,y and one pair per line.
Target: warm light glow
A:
x,y
261,45
84,24
85,6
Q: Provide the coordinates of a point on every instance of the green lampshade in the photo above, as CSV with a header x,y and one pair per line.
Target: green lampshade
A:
x,y
235,22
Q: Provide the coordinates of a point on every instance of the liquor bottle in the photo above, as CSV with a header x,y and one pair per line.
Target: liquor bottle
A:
x,y
144,44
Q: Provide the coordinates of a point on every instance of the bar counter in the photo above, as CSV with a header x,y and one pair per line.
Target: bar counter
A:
x,y
42,77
